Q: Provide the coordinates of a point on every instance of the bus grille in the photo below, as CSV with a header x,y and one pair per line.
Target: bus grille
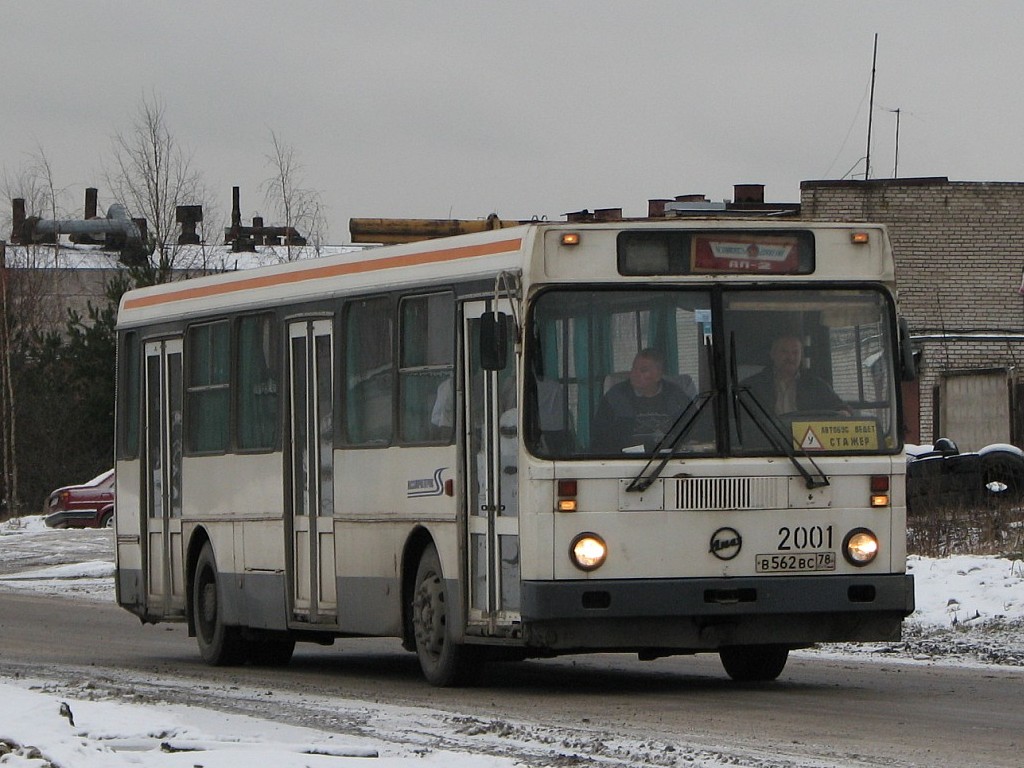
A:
x,y
721,493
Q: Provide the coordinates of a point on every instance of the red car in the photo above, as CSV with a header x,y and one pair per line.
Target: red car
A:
x,y
90,505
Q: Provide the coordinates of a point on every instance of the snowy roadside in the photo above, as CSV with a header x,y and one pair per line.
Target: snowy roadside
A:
x,y
970,612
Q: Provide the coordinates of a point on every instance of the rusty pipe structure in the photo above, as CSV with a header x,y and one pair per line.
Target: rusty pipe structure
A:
x,y
390,231
118,225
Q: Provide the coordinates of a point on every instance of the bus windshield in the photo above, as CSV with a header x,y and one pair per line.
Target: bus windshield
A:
x,y
728,371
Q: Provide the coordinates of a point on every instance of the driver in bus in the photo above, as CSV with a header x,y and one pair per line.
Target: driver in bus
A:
x,y
782,387
636,413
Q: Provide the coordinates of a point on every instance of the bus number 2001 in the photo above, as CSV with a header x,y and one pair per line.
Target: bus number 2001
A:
x,y
805,537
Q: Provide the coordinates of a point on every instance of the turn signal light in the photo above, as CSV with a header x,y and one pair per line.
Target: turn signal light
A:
x,y
570,238
859,238
566,496
879,490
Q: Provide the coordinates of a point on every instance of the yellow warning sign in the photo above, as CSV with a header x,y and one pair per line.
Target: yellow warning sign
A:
x,y
811,441
846,435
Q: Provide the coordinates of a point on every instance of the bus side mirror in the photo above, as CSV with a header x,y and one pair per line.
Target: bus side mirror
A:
x,y
493,341
908,368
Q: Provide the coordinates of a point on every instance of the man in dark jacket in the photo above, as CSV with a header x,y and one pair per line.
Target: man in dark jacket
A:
x,y
635,414
783,387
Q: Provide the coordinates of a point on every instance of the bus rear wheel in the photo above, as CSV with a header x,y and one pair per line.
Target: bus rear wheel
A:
x,y
754,663
444,662
219,644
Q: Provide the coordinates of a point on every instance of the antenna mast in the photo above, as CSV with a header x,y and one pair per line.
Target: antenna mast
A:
x,y
871,110
896,161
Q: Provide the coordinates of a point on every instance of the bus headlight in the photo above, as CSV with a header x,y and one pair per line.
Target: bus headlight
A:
x,y
860,546
588,551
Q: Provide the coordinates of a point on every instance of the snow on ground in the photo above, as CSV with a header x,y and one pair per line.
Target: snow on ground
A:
x,y
955,591
970,610
107,734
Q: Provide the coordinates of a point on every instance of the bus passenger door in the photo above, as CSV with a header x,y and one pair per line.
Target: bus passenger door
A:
x,y
165,587
492,488
311,416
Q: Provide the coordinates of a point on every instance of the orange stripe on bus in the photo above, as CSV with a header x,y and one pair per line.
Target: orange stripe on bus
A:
x,y
316,273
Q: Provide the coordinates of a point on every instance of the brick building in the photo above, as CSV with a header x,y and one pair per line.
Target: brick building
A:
x,y
959,250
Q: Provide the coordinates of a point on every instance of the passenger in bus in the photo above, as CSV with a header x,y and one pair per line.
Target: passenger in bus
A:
x,y
636,413
442,415
783,387
442,412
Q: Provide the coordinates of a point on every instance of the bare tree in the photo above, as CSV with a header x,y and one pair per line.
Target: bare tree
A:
x,y
34,182
296,206
152,175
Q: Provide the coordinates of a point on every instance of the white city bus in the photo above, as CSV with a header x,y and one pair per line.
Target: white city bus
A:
x,y
407,441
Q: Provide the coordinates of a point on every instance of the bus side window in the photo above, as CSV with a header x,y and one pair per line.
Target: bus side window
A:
x,y
426,366
256,407
368,372
208,394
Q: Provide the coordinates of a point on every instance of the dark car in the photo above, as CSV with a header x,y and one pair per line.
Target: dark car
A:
x,y
89,505
941,476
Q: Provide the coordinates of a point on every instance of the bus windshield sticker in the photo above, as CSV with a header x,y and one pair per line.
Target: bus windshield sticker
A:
x,y
744,253
845,435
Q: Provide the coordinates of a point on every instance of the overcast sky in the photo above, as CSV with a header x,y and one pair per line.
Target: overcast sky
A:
x,y
459,109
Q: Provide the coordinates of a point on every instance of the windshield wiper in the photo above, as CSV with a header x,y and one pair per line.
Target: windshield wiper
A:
x,y
776,436
666,447
770,428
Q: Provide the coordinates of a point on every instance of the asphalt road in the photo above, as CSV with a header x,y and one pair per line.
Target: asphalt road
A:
x,y
820,712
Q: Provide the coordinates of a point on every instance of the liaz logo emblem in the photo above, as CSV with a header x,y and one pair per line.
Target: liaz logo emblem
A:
x,y
726,543
427,486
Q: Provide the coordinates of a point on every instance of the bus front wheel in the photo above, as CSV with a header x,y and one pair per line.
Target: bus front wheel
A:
x,y
219,644
444,662
754,663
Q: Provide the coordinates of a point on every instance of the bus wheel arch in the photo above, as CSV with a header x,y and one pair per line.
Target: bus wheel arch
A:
x,y
432,613
220,644
200,538
417,542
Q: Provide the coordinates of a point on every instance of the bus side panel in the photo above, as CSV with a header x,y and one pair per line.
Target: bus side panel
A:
x,y
536,522
263,595
381,497
235,486
369,579
898,532
244,523
129,585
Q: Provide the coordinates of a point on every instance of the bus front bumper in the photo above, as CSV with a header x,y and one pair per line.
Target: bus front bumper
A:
x,y
689,615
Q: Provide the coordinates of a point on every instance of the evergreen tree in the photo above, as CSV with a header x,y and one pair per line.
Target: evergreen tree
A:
x,y
66,408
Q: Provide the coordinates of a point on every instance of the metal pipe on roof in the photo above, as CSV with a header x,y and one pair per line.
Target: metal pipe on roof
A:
x,y
117,222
